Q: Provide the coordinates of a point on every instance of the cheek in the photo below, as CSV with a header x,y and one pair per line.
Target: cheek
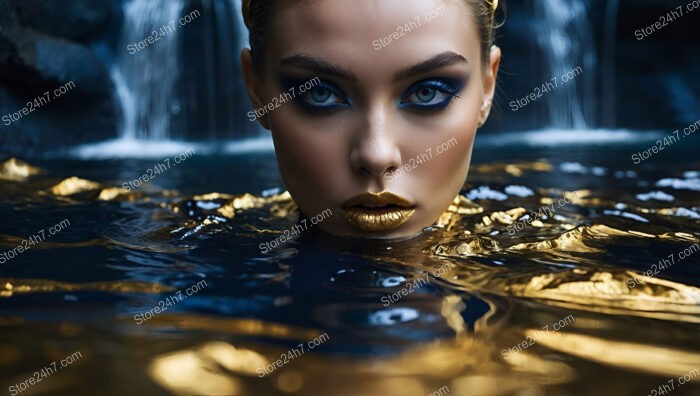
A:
x,y
309,159
438,181
451,149
448,168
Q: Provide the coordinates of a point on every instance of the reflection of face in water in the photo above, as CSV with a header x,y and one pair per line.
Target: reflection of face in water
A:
x,y
380,136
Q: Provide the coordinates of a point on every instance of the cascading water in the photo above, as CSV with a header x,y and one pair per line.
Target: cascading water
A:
x,y
609,81
187,83
145,78
573,105
185,89
215,99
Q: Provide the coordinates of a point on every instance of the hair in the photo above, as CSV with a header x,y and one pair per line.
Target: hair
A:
x,y
258,14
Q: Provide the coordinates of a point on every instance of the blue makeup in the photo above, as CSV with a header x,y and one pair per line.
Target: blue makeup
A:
x,y
321,98
430,95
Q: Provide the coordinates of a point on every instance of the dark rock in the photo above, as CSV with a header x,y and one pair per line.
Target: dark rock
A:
x,y
58,60
654,84
33,64
83,21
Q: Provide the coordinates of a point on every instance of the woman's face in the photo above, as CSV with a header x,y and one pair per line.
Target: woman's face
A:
x,y
399,89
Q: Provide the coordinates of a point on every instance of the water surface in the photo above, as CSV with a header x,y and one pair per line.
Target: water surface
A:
x,y
491,300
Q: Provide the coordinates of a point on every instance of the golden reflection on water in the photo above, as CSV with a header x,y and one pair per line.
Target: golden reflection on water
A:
x,y
467,364
667,361
11,287
16,170
467,235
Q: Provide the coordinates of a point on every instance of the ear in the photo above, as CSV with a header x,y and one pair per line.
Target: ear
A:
x,y
253,85
490,75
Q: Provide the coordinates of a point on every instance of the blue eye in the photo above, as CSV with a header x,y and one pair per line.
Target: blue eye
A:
x,y
426,94
430,95
324,96
320,95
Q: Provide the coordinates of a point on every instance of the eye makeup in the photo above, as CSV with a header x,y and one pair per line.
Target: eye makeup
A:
x,y
430,95
324,97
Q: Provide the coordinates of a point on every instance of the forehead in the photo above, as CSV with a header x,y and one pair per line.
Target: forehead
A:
x,y
372,34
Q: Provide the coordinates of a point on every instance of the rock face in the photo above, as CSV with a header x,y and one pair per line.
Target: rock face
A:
x,y
652,80
46,45
657,84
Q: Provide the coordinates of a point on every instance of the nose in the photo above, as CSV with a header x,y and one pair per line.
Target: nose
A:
x,y
375,149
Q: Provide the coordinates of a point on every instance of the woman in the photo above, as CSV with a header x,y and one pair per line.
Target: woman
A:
x,y
373,104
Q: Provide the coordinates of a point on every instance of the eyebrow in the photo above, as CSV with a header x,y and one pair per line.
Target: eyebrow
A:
x,y
438,61
317,65
310,63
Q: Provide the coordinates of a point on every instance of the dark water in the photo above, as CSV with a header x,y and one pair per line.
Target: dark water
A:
x,y
485,302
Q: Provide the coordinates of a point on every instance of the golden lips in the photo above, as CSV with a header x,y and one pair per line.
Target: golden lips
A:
x,y
377,211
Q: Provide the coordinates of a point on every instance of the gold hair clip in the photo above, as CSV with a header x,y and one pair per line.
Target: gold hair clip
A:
x,y
493,4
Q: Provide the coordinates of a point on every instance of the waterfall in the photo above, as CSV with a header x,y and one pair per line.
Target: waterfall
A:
x,y
215,97
187,83
609,81
563,21
145,78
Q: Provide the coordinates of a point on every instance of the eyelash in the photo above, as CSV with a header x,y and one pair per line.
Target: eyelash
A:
x,y
449,88
341,102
